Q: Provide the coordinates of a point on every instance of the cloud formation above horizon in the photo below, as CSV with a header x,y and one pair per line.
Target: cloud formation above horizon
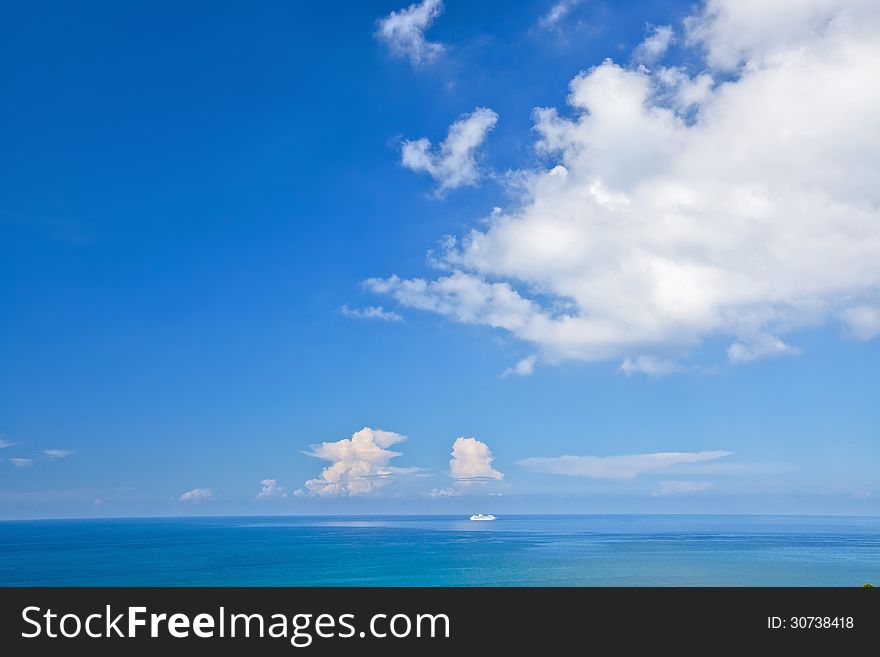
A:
x,y
403,32
197,495
736,199
472,461
270,490
616,467
360,464
444,492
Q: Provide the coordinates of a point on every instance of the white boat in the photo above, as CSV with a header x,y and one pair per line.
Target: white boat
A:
x,y
480,516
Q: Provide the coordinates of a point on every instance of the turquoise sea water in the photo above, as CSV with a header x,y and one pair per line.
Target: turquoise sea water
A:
x,y
622,550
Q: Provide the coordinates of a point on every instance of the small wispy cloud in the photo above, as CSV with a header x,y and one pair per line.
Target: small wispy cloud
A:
x,y
271,490
5,443
453,164
197,495
22,463
655,45
554,16
681,487
403,32
650,365
523,367
761,346
57,453
371,312
444,492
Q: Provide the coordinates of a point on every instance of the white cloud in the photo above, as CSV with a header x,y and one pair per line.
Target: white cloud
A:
x,y
674,85
403,32
556,13
523,367
649,365
444,492
472,461
616,467
5,443
655,45
741,203
454,163
863,322
57,453
681,487
271,490
22,463
360,464
371,312
762,346
466,298
197,495
736,33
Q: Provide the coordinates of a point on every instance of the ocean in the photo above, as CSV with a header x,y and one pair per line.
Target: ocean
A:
x,y
587,550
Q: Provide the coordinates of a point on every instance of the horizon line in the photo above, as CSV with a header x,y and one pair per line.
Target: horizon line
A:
x,y
433,515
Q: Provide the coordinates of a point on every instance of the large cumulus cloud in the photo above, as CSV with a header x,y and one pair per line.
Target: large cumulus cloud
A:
x,y
359,465
737,198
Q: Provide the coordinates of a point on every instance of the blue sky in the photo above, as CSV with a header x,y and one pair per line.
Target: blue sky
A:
x,y
205,205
